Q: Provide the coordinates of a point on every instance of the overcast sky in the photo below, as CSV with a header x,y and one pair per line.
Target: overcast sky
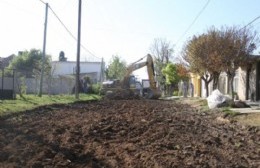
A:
x,y
116,27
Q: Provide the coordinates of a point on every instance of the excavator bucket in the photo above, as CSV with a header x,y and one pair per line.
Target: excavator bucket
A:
x,y
122,94
153,94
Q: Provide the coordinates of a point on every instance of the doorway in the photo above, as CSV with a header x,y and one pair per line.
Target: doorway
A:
x,y
258,81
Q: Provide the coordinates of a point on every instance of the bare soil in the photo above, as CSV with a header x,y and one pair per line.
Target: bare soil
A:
x,y
252,119
126,133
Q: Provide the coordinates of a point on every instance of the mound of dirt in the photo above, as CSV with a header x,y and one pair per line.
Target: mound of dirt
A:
x,y
126,133
123,94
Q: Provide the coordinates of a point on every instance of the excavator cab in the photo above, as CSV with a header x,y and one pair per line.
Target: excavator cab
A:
x,y
132,82
134,85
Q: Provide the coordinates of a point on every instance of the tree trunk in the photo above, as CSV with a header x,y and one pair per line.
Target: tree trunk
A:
x,y
231,76
19,87
171,89
215,80
232,86
207,80
185,89
228,87
207,88
167,90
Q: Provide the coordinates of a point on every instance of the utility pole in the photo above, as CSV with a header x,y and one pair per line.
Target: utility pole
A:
x,y
44,48
78,54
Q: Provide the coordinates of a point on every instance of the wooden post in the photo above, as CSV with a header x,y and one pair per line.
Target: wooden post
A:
x,y
44,48
78,54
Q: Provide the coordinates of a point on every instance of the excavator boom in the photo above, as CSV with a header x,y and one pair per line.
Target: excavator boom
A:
x,y
153,91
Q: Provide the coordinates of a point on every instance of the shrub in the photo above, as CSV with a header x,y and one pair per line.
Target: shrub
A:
x,y
175,93
95,88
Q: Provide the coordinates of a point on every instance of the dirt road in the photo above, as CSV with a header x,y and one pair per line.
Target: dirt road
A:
x,y
126,133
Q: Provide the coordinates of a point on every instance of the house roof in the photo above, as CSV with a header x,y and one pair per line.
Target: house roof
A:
x,y
255,56
4,62
73,75
74,62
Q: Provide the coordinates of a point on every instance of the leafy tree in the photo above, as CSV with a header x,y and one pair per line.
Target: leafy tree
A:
x,y
205,54
215,54
247,65
239,45
28,64
116,69
162,52
197,54
218,51
183,72
30,61
171,76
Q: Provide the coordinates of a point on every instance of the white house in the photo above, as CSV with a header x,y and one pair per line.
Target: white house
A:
x,y
68,68
63,75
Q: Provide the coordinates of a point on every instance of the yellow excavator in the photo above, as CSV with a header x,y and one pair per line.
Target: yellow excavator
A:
x,y
129,87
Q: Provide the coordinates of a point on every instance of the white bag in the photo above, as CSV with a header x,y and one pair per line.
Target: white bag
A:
x,y
217,99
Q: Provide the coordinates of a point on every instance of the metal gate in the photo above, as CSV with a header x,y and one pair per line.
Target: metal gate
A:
x,y
7,84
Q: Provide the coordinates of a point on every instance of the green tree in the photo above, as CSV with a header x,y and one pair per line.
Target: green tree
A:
x,y
28,64
172,77
171,74
116,69
30,61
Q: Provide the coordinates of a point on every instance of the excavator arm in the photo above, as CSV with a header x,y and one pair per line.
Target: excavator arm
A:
x,y
127,87
131,68
153,91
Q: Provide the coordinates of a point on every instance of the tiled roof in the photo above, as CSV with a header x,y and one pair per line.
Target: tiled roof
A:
x,y
4,62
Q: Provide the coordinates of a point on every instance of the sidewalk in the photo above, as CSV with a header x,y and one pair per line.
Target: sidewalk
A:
x,y
254,108
246,110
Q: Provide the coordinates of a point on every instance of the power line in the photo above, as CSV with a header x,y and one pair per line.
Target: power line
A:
x,y
54,13
250,22
70,33
256,23
42,2
192,23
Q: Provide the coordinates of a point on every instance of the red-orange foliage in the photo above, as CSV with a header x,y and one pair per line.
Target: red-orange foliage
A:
x,y
182,71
